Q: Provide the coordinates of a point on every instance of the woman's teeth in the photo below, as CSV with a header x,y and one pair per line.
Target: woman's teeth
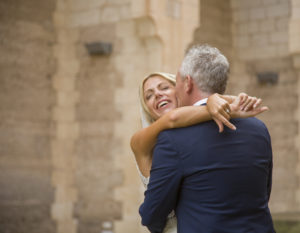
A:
x,y
161,104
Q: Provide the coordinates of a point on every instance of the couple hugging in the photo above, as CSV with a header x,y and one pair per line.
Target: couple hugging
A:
x,y
200,176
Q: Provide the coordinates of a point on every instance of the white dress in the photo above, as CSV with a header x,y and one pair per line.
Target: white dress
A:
x,y
171,224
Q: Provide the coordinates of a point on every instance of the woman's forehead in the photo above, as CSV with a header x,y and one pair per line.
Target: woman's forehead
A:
x,y
154,81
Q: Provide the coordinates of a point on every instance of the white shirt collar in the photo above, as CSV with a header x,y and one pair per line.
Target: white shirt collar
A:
x,y
200,102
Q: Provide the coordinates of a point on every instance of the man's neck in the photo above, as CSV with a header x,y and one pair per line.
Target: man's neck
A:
x,y
198,96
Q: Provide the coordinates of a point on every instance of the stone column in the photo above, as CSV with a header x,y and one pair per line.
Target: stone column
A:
x,y
153,38
174,23
66,128
294,49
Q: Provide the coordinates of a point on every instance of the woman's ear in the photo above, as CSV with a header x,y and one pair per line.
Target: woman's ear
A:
x,y
188,84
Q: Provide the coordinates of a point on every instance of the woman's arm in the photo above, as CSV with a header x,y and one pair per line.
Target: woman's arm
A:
x,y
143,141
240,106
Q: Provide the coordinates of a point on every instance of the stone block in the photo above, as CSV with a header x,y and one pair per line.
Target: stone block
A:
x,y
67,226
104,32
78,5
32,140
63,147
173,9
253,27
91,147
235,4
257,13
125,12
282,50
85,18
64,114
242,29
62,211
278,10
282,24
261,39
119,2
67,99
62,160
267,25
279,37
295,11
26,218
242,41
26,11
25,186
64,51
110,14
250,4
296,61
269,2
65,194
294,44
146,28
93,129
69,67
63,178
67,130
241,16
66,36
60,19
90,209
64,81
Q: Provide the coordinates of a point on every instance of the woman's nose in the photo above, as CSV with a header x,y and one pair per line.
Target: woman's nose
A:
x,y
158,94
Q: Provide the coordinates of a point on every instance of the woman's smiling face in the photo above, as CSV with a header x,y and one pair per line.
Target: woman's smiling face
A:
x,y
159,96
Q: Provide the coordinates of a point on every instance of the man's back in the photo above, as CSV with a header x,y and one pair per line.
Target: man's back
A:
x,y
226,178
216,182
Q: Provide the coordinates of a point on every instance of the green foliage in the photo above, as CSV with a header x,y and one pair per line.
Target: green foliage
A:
x,y
287,226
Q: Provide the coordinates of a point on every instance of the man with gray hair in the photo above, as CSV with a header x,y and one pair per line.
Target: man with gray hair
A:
x,y
207,69
215,182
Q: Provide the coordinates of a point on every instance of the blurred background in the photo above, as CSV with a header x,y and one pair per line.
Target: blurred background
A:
x,y
69,76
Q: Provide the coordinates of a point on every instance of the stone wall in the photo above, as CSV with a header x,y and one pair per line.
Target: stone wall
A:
x,y
254,35
261,42
26,67
96,175
85,195
260,28
215,26
67,116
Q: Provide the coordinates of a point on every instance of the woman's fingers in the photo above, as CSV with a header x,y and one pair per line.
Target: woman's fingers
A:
x,y
259,110
221,121
227,123
243,98
220,124
248,103
258,103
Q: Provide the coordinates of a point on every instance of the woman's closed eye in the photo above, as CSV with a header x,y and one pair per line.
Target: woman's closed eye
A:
x,y
148,96
164,87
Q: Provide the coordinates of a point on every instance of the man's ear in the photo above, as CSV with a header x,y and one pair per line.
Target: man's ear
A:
x,y
188,84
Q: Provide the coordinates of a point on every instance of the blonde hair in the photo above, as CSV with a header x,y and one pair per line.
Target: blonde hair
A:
x,y
145,113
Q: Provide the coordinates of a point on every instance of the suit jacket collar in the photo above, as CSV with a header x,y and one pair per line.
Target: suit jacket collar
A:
x,y
201,102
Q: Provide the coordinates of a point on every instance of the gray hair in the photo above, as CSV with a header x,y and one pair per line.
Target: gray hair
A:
x,y
208,67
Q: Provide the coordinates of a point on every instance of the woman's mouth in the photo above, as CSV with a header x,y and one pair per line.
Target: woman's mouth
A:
x,y
161,104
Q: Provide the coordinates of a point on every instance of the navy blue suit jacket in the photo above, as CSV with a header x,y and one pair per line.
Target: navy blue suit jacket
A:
x,y
215,182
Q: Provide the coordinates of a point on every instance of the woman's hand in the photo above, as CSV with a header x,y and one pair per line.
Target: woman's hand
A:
x,y
219,110
241,107
246,106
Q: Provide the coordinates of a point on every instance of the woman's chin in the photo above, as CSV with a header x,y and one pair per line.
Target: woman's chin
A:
x,y
166,110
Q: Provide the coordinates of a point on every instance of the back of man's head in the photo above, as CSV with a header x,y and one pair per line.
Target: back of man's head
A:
x,y
208,67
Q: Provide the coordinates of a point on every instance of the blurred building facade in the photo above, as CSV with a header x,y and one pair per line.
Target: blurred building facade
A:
x,y
67,115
